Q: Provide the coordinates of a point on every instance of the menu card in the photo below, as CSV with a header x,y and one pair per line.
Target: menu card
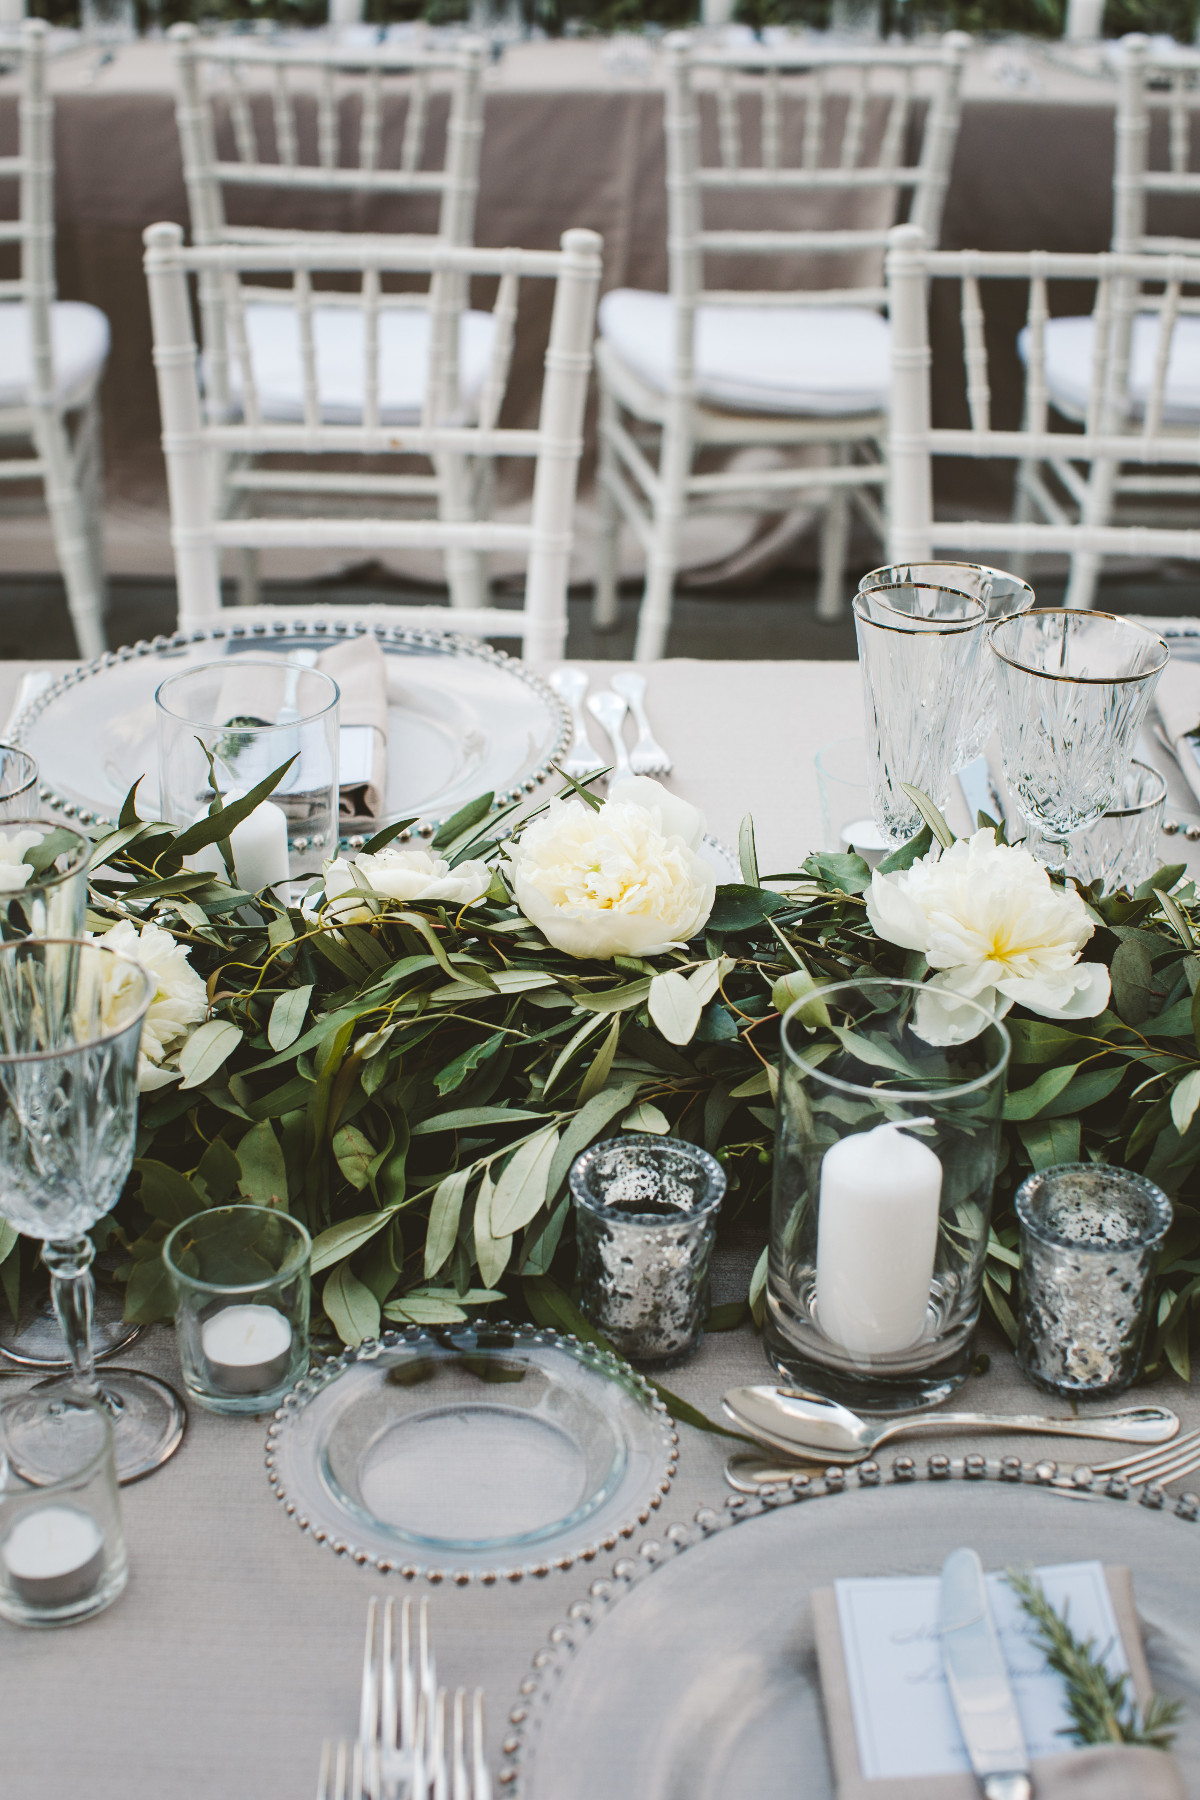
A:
x,y
903,1716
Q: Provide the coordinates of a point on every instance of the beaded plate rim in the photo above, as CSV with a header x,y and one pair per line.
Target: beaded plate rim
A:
x,y
606,1362
536,1692
287,625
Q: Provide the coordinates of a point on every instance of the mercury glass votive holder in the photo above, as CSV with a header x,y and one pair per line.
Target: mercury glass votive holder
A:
x,y
62,1550
645,1221
242,1295
1090,1237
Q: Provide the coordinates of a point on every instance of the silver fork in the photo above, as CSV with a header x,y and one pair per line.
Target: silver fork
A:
x,y
398,1697
1168,1462
342,1775
648,757
582,760
609,710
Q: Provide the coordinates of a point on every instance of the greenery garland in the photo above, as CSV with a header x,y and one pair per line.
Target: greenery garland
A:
x,y
415,1087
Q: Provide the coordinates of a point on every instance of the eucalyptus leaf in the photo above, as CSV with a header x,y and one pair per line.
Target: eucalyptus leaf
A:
x,y
287,1016
343,1239
491,1253
209,1046
521,1188
444,1213
675,1007
350,1306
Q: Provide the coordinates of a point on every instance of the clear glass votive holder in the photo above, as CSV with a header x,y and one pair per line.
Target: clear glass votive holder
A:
x,y
62,1550
18,783
1090,1237
1120,850
250,714
886,1151
43,879
843,782
242,1290
645,1221
918,649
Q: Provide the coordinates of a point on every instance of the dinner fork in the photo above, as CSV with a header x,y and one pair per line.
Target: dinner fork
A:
x,y
582,759
648,756
459,1772
609,710
1168,1462
399,1693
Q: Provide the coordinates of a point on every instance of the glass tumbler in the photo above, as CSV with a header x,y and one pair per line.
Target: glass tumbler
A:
x,y
18,783
645,1219
1002,594
250,715
919,649
885,1156
242,1290
43,879
62,1550
1090,1237
1120,850
843,782
1072,691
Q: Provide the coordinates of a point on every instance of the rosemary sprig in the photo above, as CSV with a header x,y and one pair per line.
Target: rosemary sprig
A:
x,y
1102,1711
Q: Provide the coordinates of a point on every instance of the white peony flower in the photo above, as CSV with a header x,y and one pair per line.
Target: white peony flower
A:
x,y
14,870
401,875
623,881
988,918
180,997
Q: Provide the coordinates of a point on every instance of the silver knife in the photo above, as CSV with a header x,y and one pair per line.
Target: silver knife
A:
x,y
978,1681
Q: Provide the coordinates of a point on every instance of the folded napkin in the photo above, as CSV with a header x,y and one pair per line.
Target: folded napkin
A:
x,y
359,668
1102,1772
1177,697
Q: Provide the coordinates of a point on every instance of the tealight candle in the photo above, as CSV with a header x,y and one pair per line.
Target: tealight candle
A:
x,y
54,1555
877,1228
248,1348
259,845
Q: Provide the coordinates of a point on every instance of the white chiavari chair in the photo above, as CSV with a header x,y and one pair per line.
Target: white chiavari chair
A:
x,y
1125,414
811,133
52,357
343,129
1151,90
265,372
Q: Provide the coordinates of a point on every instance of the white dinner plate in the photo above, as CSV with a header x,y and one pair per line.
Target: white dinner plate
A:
x,y
463,718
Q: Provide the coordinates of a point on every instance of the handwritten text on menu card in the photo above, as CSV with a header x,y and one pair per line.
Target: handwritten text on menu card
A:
x,y
903,1715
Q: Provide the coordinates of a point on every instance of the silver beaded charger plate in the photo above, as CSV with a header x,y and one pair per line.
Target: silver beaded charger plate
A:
x,y
465,1453
690,1671
463,718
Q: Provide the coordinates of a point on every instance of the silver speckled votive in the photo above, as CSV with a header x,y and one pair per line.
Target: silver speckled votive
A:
x,y
1090,1236
645,1219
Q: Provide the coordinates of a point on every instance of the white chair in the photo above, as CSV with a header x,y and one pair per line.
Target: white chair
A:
x,y
331,125
194,440
1115,425
1045,490
52,357
816,133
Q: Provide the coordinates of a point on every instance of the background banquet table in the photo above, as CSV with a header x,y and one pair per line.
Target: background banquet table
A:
x,y
236,1648
571,137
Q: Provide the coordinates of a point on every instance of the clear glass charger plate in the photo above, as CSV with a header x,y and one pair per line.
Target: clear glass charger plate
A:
x,y
469,1453
690,1672
463,718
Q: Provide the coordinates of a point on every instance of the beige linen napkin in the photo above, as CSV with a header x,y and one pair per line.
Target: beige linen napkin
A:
x,y
1116,1772
1177,697
359,668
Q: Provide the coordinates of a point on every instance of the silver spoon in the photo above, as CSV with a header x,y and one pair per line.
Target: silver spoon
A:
x,y
806,1426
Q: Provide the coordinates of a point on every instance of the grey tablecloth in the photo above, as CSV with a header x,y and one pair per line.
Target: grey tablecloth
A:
x,y
235,1649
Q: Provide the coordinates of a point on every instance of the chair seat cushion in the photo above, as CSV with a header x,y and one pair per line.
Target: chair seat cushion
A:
x,y
339,340
79,339
831,360
1069,366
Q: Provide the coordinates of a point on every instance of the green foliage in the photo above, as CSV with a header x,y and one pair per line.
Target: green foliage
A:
x,y
1101,1707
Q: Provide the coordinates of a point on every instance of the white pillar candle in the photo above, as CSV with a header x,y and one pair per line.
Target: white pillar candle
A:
x,y
54,1555
259,845
877,1229
248,1348
1085,21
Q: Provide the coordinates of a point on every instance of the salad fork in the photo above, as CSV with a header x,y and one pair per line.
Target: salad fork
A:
x,y
582,759
399,1695
648,756
609,710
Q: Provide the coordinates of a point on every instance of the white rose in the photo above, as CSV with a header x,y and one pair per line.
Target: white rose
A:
x,y
14,870
403,875
180,997
623,881
988,918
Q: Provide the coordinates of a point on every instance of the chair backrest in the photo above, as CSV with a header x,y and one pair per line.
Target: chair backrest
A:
x,y
1115,426
33,230
323,120
196,444
1143,78
809,123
